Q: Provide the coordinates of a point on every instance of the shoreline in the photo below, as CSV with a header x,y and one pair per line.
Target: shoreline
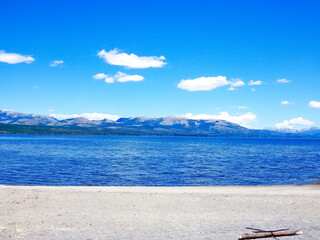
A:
x,y
182,136
199,212
164,189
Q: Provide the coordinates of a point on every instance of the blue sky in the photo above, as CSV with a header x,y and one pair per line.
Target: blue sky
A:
x,y
163,58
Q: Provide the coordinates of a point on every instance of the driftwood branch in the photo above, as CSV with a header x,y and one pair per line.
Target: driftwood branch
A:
x,y
270,234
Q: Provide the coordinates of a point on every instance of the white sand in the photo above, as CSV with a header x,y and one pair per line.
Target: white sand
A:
x,y
156,212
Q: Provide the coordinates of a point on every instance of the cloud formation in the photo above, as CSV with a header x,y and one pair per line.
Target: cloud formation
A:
x,y
253,83
235,82
293,123
243,119
90,116
120,77
203,83
209,83
107,78
314,104
286,102
56,63
283,80
115,57
13,58
242,107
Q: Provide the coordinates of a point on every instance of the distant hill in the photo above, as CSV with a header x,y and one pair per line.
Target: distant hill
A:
x,y
9,117
314,131
308,132
20,123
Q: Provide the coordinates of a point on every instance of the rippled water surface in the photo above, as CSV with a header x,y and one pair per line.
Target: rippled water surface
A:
x,y
156,161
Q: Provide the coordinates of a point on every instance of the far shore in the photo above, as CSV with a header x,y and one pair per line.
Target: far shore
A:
x,y
44,212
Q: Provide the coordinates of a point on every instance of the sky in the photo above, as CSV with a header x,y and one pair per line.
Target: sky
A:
x,y
255,63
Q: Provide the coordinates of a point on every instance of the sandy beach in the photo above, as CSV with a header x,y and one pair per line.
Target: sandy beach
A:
x,y
156,212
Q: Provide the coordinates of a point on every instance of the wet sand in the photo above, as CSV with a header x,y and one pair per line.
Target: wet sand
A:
x,y
156,212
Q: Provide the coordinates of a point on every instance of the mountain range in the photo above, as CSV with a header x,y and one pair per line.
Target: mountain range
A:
x,y
21,123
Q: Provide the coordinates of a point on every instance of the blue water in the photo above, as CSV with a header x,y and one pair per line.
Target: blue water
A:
x,y
156,161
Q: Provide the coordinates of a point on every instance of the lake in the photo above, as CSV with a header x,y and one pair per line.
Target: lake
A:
x,y
156,161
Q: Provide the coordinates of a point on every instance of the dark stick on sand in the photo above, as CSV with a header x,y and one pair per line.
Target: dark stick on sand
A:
x,y
270,234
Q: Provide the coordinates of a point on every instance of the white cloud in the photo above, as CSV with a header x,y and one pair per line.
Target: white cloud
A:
x,y
114,57
50,110
13,58
209,83
90,116
120,77
242,107
56,63
235,82
107,78
243,119
100,116
252,83
64,116
253,89
100,76
293,123
286,102
7,110
314,104
203,83
283,80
